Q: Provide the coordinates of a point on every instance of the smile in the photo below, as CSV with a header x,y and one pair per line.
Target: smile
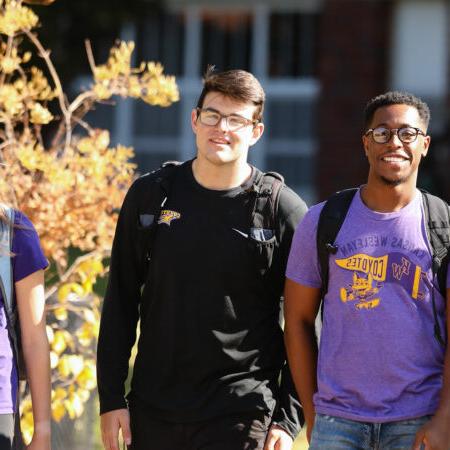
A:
x,y
220,141
395,159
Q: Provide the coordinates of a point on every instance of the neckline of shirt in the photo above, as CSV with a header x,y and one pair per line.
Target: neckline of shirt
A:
x,y
219,192
362,209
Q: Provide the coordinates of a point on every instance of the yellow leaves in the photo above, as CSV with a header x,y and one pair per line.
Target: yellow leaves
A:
x,y
26,420
24,95
99,140
118,63
10,60
70,186
14,17
70,292
62,339
146,82
40,115
74,405
11,104
58,411
38,87
87,333
70,365
87,377
34,157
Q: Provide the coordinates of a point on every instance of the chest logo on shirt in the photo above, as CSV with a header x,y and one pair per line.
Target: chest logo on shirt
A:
x,y
370,273
167,216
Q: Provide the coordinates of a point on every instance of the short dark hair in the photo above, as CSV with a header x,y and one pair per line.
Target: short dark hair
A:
x,y
238,84
396,98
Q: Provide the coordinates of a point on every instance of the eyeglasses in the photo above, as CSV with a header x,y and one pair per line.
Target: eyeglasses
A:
x,y
211,118
382,135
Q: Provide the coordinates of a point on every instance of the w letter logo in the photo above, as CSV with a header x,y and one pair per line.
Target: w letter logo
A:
x,y
398,270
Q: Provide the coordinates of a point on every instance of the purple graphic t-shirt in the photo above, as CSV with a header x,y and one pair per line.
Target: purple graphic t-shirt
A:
x,y
378,357
27,259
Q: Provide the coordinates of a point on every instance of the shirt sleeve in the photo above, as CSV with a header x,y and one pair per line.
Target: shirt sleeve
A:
x,y
28,256
303,266
288,413
120,307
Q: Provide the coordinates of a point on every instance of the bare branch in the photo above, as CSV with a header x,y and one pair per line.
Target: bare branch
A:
x,y
63,278
90,54
45,54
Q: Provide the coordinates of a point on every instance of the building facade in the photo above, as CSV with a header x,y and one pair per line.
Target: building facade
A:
x,y
319,62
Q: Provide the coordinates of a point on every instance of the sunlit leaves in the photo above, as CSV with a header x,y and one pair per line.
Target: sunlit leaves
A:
x,y
15,17
70,181
147,82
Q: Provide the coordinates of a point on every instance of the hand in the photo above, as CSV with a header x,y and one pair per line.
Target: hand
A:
x,y
110,424
434,435
278,439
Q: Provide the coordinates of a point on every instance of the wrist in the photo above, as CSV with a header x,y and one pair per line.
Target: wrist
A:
x,y
42,429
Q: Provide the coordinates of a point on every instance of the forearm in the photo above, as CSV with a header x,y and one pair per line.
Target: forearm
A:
x,y
37,361
116,338
301,347
444,401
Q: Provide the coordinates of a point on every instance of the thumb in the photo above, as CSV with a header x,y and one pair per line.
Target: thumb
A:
x,y
126,430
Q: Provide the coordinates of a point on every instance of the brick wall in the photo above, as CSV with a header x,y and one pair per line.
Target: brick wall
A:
x,y
354,51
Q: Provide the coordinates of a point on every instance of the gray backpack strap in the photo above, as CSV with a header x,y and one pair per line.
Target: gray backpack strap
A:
x,y
6,276
7,288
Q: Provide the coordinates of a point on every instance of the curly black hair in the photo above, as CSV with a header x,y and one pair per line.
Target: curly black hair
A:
x,y
396,98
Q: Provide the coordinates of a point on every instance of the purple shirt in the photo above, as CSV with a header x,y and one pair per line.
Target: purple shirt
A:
x,y
378,358
28,258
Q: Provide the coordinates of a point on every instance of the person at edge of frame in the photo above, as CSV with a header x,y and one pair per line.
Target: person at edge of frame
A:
x,y
27,276
380,379
211,347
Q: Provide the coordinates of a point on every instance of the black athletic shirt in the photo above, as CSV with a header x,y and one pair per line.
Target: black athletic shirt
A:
x,y
210,341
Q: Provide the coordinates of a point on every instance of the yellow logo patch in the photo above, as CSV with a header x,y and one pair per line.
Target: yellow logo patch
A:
x,y
167,216
377,267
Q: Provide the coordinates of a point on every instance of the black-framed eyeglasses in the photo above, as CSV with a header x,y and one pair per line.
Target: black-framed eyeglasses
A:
x,y
382,135
211,118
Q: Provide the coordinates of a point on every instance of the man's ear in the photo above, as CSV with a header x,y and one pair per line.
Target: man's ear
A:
x,y
257,132
194,117
365,141
426,145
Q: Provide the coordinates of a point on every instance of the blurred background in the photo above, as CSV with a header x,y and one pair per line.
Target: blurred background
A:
x,y
319,62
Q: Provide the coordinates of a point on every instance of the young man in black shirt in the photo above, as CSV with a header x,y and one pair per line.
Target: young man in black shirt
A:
x,y
210,351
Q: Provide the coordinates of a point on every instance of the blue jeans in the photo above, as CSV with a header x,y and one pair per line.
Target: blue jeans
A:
x,y
335,433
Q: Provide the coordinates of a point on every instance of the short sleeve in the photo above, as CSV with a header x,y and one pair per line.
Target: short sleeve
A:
x,y
303,267
28,256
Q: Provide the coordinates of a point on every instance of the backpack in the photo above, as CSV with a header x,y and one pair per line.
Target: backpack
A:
x,y
7,290
263,210
437,219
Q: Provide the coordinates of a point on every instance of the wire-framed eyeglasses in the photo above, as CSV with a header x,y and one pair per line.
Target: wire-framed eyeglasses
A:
x,y
211,118
382,135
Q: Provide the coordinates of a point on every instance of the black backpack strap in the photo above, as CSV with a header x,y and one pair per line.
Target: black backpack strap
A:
x,y
437,220
331,219
155,196
152,201
266,187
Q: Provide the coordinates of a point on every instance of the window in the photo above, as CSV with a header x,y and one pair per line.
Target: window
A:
x,y
226,41
161,38
293,44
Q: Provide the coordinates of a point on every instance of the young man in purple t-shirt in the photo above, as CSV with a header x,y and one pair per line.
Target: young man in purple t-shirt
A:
x,y
379,379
